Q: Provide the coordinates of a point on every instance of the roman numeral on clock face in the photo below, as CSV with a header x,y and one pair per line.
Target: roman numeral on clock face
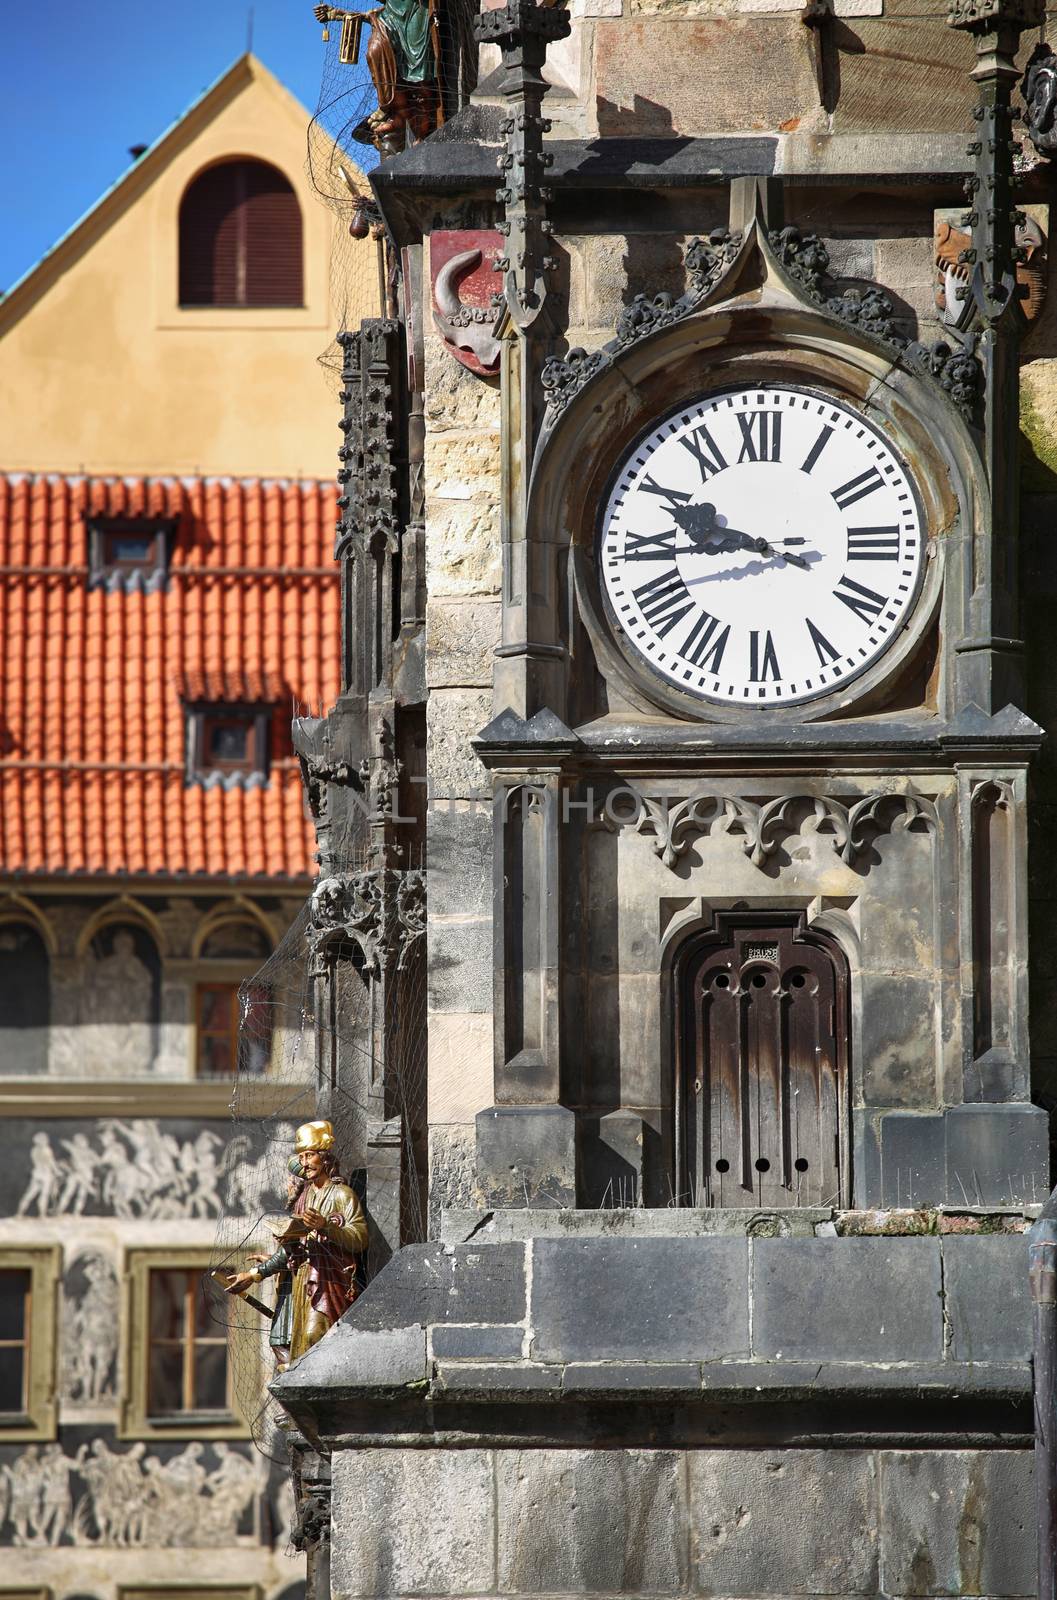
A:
x,y
873,544
674,497
763,662
651,546
705,451
858,488
817,449
864,602
664,601
823,649
703,645
761,436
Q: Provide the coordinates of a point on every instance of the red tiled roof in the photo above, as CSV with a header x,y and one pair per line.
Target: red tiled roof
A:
x,y
94,678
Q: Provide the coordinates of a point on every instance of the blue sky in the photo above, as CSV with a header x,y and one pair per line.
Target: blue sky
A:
x,y
84,82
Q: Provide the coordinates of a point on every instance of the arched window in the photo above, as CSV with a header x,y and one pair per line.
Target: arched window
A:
x,y
240,238
24,1000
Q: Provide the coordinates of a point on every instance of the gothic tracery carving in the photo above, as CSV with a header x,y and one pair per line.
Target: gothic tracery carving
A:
x,y
850,824
383,912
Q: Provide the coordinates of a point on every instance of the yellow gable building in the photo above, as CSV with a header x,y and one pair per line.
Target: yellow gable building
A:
x,y
177,327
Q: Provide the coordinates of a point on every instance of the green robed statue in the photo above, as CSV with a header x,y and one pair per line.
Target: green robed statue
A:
x,y
403,58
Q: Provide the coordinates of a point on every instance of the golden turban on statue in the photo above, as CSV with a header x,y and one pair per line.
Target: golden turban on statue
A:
x,y
314,1136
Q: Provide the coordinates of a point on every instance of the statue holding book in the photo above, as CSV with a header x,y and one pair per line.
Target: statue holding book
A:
x,y
404,60
317,1249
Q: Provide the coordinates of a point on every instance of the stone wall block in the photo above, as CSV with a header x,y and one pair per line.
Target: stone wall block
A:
x,y
463,466
597,1299
453,717
957,1522
769,1522
456,397
412,1522
459,859
899,1040
985,1281
463,548
460,964
586,1522
847,1299
460,638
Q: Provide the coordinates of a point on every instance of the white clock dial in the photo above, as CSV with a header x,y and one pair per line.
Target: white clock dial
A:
x,y
761,546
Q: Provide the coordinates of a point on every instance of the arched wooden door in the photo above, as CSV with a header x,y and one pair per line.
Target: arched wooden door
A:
x,y
762,1101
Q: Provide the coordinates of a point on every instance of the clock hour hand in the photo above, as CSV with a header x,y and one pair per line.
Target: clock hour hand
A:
x,y
700,526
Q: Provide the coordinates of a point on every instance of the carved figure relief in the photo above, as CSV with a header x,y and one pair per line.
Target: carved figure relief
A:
x,y
128,1499
954,270
1039,90
466,286
89,1331
137,1169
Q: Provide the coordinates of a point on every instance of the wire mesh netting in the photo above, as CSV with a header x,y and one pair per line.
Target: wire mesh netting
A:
x,y
364,111
348,1045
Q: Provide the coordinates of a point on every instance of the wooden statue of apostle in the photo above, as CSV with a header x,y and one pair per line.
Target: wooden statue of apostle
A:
x,y
403,58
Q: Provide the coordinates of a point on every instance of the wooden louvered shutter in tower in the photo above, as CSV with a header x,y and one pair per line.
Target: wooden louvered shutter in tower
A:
x,y
240,238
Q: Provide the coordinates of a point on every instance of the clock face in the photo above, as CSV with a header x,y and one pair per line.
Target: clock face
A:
x,y
761,546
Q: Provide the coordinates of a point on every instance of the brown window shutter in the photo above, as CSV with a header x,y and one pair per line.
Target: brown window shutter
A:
x,y
240,238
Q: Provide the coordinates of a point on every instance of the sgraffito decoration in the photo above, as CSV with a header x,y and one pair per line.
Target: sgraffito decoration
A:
x,y
466,286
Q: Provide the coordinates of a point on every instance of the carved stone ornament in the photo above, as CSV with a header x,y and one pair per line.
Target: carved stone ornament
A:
x,y
312,1527
707,260
466,284
368,474
382,912
851,824
804,258
1039,92
986,16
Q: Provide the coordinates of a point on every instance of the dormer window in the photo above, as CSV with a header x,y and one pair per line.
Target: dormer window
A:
x,y
121,549
241,238
227,743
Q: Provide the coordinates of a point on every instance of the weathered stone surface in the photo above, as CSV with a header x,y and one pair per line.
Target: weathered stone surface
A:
x,y
460,1065
913,1160
616,268
460,638
985,1280
350,1357
911,75
454,396
412,1522
906,268
576,1521
459,858
463,547
473,1343
452,1171
462,466
957,1522
460,964
467,1377
706,75
899,1040
610,1378
766,1522
453,717
847,1299
997,1155
439,1283
527,1154
594,1299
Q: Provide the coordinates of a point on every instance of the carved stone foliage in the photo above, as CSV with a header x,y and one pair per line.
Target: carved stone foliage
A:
x,y
368,474
850,824
706,262
382,912
805,259
1039,92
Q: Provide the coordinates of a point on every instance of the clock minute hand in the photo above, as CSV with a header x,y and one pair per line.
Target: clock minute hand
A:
x,y
763,547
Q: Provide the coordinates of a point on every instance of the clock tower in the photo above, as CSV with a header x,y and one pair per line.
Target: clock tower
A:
x,y
684,566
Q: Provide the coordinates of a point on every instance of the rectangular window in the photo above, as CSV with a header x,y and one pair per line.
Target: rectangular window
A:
x,y
227,739
29,1278
121,546
178,1367
16,1305
233,1029
188,1347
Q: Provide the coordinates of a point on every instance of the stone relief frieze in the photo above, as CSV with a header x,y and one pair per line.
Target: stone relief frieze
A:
x,y
127,1498
138,1169
849,823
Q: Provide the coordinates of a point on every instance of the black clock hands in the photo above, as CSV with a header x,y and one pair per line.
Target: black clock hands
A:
x,y
707,536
